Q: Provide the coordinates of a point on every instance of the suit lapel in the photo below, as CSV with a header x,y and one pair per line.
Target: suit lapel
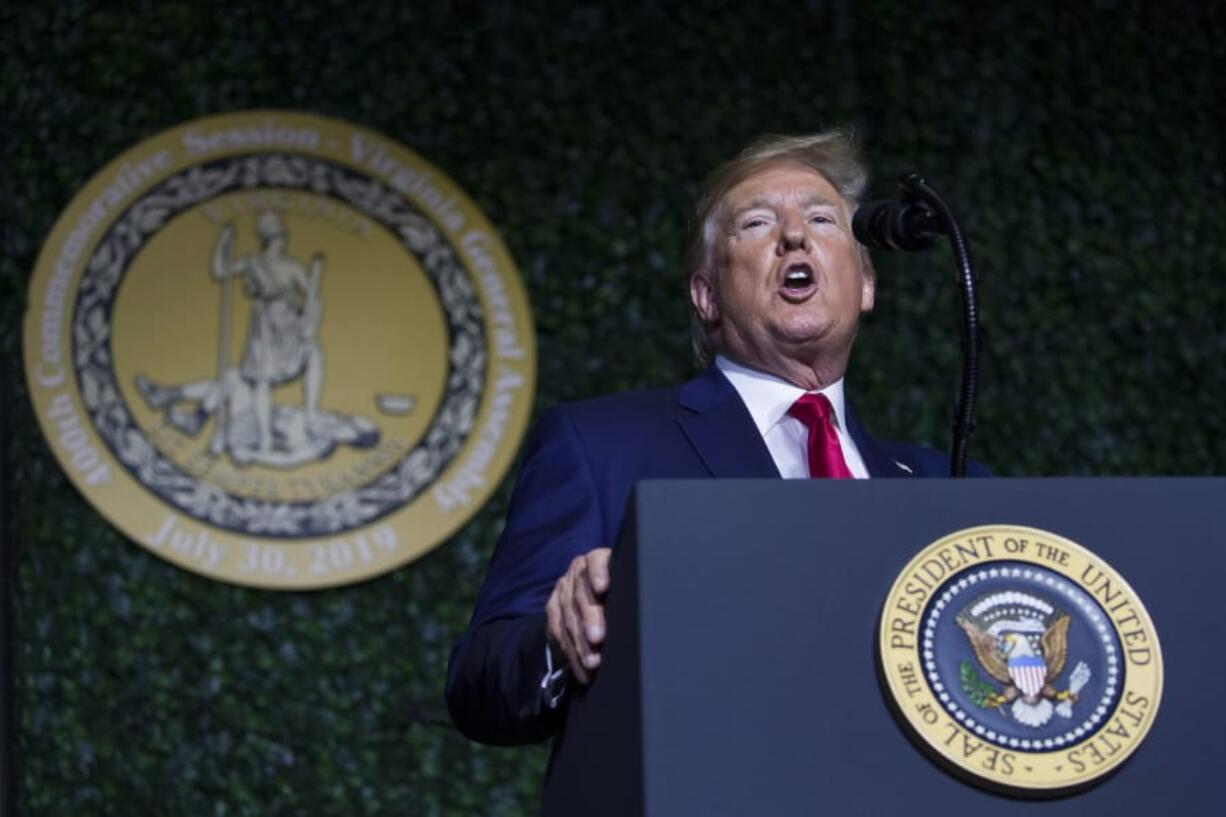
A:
x,y
721,430
723,434
876,460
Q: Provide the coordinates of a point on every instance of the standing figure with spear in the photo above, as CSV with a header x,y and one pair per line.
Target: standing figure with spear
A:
x,y
282,346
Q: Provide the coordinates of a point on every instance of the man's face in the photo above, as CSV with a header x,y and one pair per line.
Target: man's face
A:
x,y
790,282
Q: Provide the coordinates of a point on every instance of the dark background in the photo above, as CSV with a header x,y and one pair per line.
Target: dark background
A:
x,y
1081,144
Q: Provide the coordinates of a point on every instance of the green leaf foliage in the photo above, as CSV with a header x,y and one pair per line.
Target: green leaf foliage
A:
x,y
973,684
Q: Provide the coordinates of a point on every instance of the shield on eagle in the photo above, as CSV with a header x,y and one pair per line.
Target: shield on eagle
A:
x,y
1029,673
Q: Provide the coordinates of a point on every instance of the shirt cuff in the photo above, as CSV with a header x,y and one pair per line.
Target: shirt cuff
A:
x,y
553,685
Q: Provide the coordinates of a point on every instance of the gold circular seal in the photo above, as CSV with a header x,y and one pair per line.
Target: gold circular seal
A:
x,y
279,349
1020,659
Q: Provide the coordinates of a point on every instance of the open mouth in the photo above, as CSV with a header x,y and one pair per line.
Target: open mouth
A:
x,y
799,282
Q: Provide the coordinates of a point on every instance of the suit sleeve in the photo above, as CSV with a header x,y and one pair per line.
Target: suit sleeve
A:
x,y
494,676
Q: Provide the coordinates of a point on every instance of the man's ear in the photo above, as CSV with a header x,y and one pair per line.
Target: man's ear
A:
x,y
868,281
702,296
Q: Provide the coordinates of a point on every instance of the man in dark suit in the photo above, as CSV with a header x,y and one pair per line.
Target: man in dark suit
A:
x,y
777,284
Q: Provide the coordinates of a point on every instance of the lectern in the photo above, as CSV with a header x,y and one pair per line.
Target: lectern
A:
x,y
741,677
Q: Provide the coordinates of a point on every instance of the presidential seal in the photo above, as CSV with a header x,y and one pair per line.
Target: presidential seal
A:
x,y
279,349
1020,659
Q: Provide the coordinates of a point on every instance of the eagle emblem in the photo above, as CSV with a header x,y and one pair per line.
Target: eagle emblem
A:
x,y
1021,641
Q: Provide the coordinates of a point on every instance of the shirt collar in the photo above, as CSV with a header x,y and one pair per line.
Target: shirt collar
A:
x,y
768,397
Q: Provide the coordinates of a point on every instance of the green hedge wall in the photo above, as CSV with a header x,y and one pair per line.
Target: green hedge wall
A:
x,y
1081,143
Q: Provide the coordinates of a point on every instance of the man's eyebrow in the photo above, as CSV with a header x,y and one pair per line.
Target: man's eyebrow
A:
x,y
819,199
756,204
766,204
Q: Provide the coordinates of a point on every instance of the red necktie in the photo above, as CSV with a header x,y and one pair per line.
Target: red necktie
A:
x,y
825,453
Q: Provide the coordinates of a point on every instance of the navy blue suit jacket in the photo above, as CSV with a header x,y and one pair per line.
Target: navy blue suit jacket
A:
x,y
580,465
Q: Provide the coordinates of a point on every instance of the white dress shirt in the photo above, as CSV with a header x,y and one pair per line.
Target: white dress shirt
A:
x,y
768,399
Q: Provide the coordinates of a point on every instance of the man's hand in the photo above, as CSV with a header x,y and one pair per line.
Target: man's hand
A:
x,y
575,612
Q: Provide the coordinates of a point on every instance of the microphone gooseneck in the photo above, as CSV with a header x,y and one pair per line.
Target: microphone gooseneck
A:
x,y
912,224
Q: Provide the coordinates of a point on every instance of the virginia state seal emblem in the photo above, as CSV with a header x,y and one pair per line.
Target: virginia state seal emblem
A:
x,y
1020,659
279,349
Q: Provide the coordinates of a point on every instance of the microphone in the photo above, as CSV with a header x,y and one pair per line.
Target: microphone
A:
x,y
908,225
912,224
